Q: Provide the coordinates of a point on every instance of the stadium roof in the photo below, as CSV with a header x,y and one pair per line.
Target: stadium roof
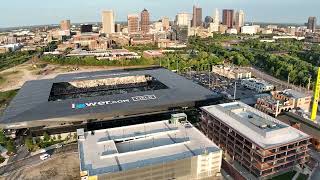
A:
x,y
31,108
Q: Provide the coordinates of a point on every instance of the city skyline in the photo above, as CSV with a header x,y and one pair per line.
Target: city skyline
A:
x,y
34,12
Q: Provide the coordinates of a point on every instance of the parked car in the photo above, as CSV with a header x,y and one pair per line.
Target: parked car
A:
x,y
45,156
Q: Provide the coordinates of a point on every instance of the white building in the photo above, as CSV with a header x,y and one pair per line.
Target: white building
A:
x,y
249,29
232,31
183,19
213,27
257,85
171,149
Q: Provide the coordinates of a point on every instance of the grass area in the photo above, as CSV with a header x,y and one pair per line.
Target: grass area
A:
x,y
11,59
302,177
286,176
2,80
6,97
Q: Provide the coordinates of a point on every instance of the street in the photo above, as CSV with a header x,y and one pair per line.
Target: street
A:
x,y
13,166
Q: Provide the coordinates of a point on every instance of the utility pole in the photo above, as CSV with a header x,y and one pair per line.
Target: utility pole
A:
x,y
309,83
209,77
177,67
235,90
288,80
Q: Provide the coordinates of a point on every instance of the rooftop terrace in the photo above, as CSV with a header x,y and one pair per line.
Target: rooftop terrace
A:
x,y
125,148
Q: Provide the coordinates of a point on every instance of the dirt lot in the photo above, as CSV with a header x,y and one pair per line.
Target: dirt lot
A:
x,y
64,167
15,77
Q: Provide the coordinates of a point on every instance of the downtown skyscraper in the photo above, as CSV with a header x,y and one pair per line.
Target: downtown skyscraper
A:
x,y
108,22
145,21
196,17
239,19
227,17
133,23
312,23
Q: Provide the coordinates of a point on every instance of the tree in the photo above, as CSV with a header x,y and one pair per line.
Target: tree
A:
x,y
46,137
3,138
75,136
10,146
29,143
59,137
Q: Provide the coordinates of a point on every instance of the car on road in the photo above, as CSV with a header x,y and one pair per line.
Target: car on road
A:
x,y
59,146
45,156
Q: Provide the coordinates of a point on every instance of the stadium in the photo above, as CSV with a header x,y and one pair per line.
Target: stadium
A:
x,y
102,99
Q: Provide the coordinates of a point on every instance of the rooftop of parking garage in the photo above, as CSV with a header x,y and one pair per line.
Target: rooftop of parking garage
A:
x,y
124,148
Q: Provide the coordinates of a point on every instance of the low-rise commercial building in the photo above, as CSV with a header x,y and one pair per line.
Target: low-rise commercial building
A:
x,y
283,101
114,54
232,73
261,144
257,85
171,149
152,53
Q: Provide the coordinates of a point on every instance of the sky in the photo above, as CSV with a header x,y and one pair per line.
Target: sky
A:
x,y
38,12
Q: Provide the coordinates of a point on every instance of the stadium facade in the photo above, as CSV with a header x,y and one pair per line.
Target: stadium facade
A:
x,y
82,98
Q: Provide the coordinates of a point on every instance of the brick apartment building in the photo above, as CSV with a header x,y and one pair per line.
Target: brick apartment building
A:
x,y
261,144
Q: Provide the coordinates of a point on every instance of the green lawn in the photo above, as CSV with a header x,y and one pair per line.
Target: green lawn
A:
x,y
285,176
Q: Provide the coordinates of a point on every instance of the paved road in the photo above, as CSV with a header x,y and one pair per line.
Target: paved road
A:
x,y
316,174
36,158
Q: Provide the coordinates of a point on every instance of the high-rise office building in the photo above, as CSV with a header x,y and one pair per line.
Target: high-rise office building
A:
x,y
182,19
239,21
108,22
312,23
133,23
197,16
216,17
145,21
65,25
227,17
165,23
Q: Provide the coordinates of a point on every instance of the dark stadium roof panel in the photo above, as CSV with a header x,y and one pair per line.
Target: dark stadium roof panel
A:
x,y
31,104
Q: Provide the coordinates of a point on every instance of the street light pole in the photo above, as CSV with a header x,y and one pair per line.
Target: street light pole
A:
x,y
235,90
177,67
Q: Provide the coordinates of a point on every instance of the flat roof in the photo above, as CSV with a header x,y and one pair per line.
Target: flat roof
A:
x,y
294,94
255,125
31,103
124,148
257,81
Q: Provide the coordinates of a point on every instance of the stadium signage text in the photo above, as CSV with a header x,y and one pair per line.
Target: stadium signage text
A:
x,y
121,101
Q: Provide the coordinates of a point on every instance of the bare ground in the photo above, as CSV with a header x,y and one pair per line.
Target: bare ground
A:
x,y
15,77
64,167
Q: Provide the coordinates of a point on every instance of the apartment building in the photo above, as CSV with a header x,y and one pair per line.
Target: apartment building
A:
x,y
261,144
283,101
